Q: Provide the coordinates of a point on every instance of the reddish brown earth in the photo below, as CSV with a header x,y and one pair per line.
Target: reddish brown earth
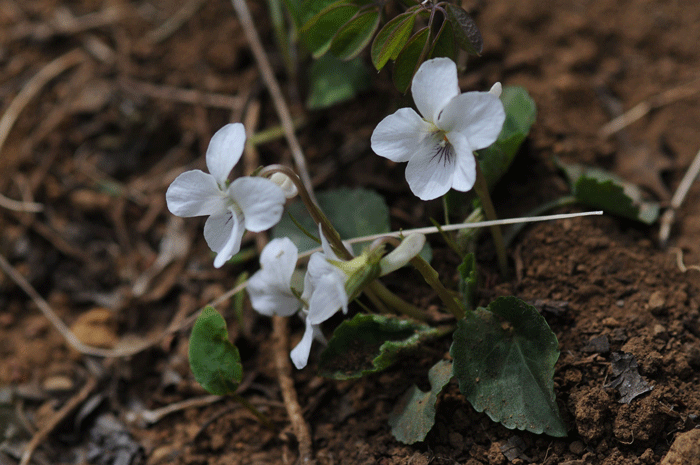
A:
x,y
98,145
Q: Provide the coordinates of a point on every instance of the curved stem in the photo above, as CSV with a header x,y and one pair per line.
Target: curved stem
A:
x,y
482,189
431,277
251,408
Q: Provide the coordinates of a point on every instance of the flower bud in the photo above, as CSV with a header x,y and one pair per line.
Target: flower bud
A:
x,y
496,89
288,187
409,248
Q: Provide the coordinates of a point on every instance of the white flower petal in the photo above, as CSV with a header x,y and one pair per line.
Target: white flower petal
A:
x,y
429,173
397,135
300,353
478,116
496,89
465,169
269,288
401,255
195,193
223,234
434,85
261,200
324,289
224,151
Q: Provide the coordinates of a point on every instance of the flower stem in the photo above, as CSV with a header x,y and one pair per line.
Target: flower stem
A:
x,y
432,278
482,189
396,302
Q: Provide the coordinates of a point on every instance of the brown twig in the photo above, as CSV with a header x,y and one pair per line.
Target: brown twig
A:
x,y
176,94
175,22
641,109
22,99
57,418
289,395
678,197
273,87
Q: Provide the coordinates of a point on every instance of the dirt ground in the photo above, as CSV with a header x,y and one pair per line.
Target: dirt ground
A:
x,y
108,102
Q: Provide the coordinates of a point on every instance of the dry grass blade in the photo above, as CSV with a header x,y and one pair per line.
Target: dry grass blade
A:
x,y
22,99
678,197
273,87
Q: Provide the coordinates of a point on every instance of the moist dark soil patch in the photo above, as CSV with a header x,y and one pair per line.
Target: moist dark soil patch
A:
x,y
100,143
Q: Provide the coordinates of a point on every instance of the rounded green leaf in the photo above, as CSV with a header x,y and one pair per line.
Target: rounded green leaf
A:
x,y
410,57
391,38
214,361
504,359
355,34
333,81
466,33
320,30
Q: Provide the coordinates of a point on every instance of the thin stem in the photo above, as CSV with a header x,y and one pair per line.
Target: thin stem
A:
x,y
251,408
395,302
482,189
432,278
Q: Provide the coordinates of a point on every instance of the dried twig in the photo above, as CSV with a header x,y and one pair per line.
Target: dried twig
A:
x,y
273,87
175,22
641,109
176,94
77,344
679,260
289,395
31,89
57,418
669,215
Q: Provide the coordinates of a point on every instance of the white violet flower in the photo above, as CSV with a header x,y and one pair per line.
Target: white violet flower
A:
x,y
439,145
251,203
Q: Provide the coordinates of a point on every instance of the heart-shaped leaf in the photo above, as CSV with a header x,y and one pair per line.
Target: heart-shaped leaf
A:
x,y
504,358
414,416
214,361
370,343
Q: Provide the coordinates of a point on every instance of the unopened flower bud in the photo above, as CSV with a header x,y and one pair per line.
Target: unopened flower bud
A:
x,y
496,89
288,187
401,255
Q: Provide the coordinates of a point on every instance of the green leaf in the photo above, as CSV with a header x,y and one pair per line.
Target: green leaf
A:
x,y
320,30
444,43
504,359
334,81
414,415
392,38
467,285
520,116
310,8
598,188
353,212
368,344
466,34
214,361
355,34
410,58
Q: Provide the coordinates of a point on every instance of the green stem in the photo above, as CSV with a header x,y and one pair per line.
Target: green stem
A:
x,y
482,189
251,408
395,302
432,278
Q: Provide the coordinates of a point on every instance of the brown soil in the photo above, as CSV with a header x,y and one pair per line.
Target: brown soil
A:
x,y
99,144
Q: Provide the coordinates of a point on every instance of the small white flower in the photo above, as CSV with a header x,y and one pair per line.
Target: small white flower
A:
x,y
270,287
439,145
249,203
324,285
300,353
